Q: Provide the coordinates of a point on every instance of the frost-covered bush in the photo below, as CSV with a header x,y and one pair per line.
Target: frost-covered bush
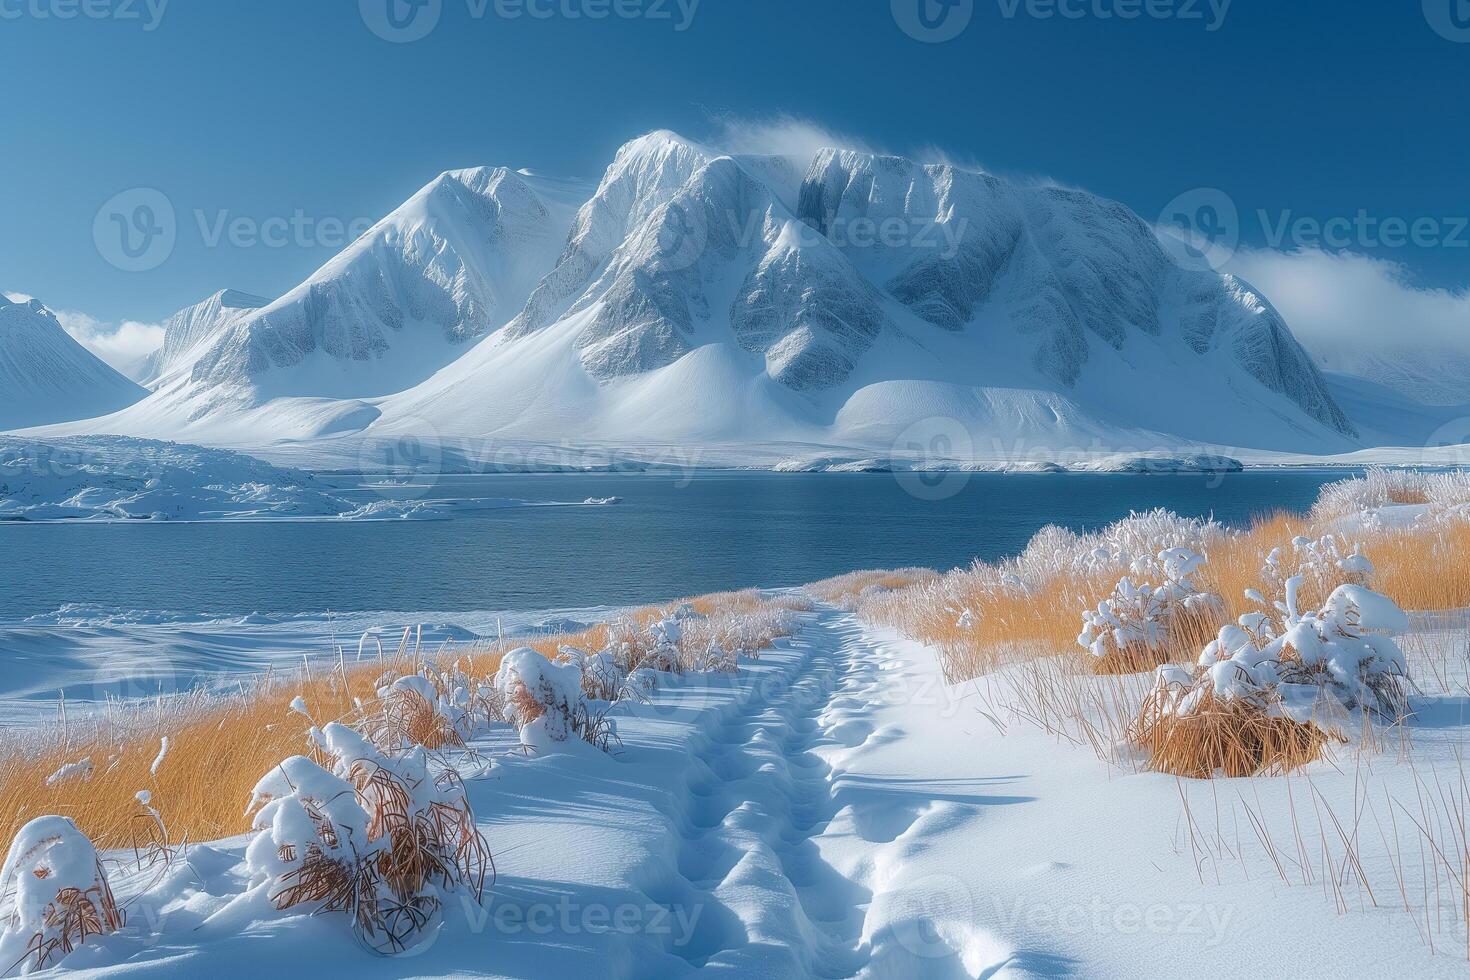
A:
x,y
1376,488
664,653
434,707
604,676
379,837
1129,630
1258,700
56,894
546,704
1134,546
1315,564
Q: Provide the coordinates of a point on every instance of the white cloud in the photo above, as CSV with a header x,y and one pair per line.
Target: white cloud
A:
x,y
1364,316
1336,301
781,135
122,345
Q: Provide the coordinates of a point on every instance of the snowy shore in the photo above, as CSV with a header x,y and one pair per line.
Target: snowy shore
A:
x,y
837,809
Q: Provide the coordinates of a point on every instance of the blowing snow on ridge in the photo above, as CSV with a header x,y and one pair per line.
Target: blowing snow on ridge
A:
x,y
747,303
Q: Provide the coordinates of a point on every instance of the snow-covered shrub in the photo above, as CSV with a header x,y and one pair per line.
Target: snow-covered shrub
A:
x,y
433,708
379,837
603,677
1134,546
663,653
56,892
546,703
1130,630
1375,489
1262,701
1314,565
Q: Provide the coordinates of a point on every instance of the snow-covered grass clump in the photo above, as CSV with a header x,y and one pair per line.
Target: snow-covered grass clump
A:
x,y
983,614
545,702
1259,701
56,895
384,839
1382,499
220,742
1137,626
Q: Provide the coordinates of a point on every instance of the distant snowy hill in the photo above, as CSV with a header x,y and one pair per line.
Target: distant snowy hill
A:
x,y
698,298
46,376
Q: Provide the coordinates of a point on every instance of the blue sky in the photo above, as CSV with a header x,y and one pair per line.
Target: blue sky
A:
x,y
296,110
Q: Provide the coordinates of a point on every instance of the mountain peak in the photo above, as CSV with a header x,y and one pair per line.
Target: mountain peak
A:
x,y
46,376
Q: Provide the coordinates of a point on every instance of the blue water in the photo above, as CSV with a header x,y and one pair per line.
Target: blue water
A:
x,y
669,537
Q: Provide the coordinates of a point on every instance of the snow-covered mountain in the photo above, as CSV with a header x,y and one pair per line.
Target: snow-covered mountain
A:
x,y
189,333
46,376
701,298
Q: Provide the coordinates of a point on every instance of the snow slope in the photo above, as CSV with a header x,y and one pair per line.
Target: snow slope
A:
x,y
836,810
699,298
46,376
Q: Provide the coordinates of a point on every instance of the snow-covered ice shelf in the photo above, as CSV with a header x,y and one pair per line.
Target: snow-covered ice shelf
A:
x,y
119,478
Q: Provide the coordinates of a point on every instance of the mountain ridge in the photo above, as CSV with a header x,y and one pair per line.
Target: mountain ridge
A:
x,y
497,304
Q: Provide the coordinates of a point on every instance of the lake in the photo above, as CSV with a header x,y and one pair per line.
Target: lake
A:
x,y
670,536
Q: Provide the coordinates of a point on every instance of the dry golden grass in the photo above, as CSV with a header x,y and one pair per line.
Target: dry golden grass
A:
x,y
220,745
1425,568
1232,737
844,590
